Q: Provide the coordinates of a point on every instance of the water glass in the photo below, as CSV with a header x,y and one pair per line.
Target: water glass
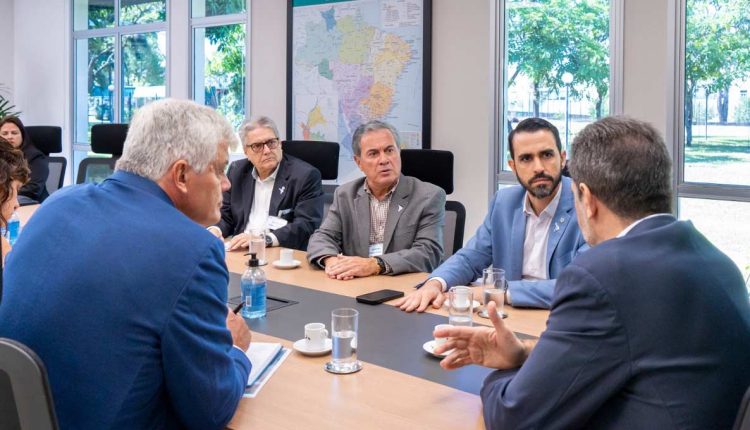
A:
x,y
460,310
258,245
344,324
493,290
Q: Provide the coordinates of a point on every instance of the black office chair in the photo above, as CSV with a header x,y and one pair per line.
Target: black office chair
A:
x,y
25,395
436,167
324,156
48,139
743,415
105,139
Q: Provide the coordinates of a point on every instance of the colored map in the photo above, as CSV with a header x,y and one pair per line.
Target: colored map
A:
x,y
355,61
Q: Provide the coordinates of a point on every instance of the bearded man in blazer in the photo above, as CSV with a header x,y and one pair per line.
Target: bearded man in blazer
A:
x,y
271,191
385,223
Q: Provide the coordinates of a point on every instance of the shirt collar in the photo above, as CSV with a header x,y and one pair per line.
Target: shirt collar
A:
x,y
387,195
551,207
627,229
271,177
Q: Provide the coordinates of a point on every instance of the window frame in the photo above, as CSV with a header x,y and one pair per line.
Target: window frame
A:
x,y
676,120
218,21
498,176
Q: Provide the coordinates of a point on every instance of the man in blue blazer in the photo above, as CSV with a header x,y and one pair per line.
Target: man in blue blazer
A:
x,y
270,191
122,292
531,230
650,328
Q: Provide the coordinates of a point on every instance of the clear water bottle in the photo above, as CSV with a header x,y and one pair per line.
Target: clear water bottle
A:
x,y
253,285
14,225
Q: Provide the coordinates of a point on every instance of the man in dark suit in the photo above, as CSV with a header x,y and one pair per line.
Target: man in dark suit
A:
x,y
273,192
650,328
122,292
384,223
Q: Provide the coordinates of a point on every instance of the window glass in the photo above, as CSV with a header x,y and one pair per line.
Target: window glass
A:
x,y
92,14
143,70
203,8
95,69
717,107
142,12
724,223
219,70
557,65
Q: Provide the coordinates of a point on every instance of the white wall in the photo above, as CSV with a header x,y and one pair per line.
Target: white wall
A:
x,y
6,37
461,80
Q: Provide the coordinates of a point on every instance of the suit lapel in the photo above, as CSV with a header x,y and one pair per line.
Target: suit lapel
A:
x,y
395,209
362,217
561,219
518,232
279,188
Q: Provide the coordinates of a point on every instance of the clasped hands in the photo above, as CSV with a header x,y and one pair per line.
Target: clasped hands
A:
x,y
344,267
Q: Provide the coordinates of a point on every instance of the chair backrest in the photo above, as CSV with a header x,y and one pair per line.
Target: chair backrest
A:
x,y
56,175
743,415
25,395
46,138
429,165
108,138
324,156
105,139
94,170
436,167
453,230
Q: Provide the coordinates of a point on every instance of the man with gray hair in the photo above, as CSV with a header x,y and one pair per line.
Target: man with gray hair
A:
x,y
271,191
384,223
650,328
122,292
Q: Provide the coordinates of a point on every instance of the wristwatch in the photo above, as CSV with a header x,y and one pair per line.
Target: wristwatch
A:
x,y
269,241
381,265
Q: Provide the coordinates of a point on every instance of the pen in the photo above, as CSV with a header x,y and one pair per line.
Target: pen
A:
x,y
238,307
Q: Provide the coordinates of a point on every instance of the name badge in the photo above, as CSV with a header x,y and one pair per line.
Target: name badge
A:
x,y
375,250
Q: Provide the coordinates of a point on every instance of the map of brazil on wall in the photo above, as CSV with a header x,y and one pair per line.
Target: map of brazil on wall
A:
x,y
356,61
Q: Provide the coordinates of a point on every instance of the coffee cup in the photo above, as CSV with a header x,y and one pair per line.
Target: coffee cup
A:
x,y
441,340
316,335
286,256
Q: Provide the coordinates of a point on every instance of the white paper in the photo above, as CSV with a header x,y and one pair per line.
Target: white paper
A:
x,y
252,390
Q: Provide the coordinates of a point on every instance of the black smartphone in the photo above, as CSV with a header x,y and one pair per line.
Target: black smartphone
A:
x,y
377,297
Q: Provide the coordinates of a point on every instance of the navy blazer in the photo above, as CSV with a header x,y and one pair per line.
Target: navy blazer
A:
x,y
297,197
124,299
647,331
499,242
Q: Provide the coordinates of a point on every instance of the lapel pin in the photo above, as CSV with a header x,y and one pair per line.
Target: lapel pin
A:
x,y
400,208
557,227
562,219
281,190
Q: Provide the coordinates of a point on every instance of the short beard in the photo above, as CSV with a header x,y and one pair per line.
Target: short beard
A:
x,y
541,191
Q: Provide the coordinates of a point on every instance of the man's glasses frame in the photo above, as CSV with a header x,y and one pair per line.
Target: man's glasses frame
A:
x,y
258,146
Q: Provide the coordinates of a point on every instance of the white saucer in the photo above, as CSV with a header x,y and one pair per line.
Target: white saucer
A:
x,y
429,347
474,304
279,265
301,346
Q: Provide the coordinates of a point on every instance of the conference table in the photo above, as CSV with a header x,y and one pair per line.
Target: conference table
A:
x,y
301,393
400,386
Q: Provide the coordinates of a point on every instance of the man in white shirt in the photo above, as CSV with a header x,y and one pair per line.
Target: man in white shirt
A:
x,y
531,230
272,192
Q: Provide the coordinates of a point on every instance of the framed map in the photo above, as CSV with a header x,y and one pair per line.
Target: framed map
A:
x,y
349,62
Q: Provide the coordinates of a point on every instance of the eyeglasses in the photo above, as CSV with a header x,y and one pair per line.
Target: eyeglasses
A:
x,y
258,147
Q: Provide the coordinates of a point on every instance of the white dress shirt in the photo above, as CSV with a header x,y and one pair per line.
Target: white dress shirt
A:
x,y
535,240
261,203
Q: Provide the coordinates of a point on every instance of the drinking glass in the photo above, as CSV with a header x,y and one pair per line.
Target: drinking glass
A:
x,y
258,245
460,310
344,323
493,290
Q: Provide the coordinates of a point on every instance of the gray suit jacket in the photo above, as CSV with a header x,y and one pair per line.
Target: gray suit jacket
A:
x,y
413,240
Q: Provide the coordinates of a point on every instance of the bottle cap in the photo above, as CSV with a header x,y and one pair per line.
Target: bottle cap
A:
x,y
253,261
